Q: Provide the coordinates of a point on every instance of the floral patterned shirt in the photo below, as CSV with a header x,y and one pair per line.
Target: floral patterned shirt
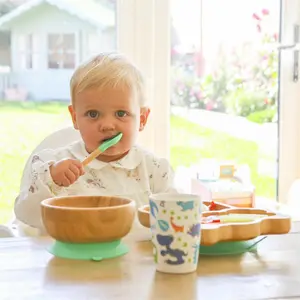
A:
x,y
137,175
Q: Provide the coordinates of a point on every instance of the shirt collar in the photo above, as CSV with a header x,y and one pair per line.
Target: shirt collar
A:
x,y
129,162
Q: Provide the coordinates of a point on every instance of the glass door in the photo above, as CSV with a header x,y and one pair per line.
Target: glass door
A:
x,y
32,104
289,108
233,94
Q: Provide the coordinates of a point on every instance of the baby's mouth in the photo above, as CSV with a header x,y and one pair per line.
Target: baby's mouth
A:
x,y
108,138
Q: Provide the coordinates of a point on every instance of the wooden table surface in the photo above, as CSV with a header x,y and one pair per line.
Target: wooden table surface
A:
x,y
28,271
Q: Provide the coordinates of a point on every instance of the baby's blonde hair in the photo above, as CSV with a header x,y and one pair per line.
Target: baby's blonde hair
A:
x,y
108,70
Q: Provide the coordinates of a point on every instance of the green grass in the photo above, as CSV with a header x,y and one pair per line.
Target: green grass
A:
x,y
190,143
24,125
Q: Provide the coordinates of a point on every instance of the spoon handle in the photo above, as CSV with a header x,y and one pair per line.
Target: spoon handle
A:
x,y
103,147
92,156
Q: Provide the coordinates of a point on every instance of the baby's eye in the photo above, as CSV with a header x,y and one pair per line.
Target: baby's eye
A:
x,y
93,114
121,114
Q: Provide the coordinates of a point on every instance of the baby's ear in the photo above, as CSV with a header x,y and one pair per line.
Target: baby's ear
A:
x,y
73,116
144,114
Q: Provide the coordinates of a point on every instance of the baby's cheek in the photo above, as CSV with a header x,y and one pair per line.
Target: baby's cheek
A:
x,y
132,132
88,130
89,138
128,139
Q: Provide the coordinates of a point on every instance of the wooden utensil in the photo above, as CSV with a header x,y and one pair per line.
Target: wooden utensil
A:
x,y
103,147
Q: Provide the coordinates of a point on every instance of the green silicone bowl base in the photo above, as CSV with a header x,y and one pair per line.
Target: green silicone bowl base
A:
x,y
91,251
231,248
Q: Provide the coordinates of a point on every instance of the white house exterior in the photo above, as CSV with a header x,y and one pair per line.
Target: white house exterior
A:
x,y
48,39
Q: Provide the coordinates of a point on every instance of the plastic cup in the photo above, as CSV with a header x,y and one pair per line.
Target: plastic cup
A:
x,y
176,231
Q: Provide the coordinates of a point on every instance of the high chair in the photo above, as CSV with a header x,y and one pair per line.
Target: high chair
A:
x,y
57,139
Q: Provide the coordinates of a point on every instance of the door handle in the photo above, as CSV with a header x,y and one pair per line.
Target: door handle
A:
x,y
296,48
296,55
287,47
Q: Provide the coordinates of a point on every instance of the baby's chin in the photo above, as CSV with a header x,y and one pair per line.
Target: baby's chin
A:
x,y
112,155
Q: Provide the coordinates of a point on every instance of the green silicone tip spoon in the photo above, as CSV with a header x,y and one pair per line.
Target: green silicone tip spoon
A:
x,y
103,147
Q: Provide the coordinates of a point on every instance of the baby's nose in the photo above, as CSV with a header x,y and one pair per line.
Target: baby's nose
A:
x,y
106,124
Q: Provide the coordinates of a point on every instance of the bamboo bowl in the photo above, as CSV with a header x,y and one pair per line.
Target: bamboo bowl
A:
x,y
87,219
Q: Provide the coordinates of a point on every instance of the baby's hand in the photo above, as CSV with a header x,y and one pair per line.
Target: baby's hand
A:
x,y
65,172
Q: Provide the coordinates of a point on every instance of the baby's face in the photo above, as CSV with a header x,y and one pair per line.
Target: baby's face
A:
x,y
102,114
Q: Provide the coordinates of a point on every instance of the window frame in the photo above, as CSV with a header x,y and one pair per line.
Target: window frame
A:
x,y
143,34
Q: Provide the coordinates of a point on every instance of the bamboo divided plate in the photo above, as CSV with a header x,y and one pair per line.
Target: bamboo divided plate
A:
x,y
249,224
144,216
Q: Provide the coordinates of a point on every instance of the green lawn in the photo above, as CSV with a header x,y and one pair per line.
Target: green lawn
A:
x,y
24,125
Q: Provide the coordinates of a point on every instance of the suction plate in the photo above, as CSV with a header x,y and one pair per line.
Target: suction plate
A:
x,y
94,251
231,248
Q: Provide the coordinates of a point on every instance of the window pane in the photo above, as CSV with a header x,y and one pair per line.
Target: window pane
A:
x,y
25,42
68,61
29,61
29,43
22,61
22,43
25,51
25,61
55,42
69,42
60,47
54,61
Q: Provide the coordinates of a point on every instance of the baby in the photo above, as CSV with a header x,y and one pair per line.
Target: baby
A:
x,y
108,97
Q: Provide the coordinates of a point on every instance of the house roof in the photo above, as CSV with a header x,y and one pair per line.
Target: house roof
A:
x,y
87,10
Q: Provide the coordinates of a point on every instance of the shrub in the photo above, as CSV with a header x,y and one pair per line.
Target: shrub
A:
x,y
264,116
